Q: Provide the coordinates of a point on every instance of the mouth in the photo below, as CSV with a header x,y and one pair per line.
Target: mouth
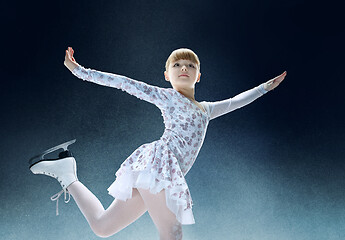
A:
x,y
184,75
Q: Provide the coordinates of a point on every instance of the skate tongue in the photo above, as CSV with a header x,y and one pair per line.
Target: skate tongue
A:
x,y
56,196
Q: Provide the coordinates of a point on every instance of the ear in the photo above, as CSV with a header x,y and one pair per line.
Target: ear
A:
x,y
198,80
166,76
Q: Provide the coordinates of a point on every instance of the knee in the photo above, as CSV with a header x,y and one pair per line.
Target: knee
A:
x,y
101,233
101,230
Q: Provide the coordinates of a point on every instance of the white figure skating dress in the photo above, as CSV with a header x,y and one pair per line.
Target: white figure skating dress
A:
x,y
163,164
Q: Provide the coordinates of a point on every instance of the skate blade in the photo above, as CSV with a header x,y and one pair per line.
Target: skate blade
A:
x,y
40,156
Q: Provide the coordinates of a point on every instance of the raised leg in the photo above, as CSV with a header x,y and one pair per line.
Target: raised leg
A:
x,y
165,220
116,217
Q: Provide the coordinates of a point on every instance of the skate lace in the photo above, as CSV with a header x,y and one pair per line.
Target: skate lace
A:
x,y
56,196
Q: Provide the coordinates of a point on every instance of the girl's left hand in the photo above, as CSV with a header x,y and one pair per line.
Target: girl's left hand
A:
x,y
273,83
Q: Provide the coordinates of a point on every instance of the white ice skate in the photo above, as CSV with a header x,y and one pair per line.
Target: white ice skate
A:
x,y
63,169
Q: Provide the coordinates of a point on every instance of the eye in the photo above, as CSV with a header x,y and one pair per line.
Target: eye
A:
x,y
190,65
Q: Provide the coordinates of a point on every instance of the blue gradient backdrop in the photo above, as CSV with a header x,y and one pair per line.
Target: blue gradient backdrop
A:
x,y
271,170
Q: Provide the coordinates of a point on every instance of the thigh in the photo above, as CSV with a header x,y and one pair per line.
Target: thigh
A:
x,y
122,213
163,218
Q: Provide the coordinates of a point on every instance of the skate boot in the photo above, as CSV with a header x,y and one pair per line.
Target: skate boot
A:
x,y
63,169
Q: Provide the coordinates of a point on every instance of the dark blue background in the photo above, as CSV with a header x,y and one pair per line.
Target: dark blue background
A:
x,y
271,170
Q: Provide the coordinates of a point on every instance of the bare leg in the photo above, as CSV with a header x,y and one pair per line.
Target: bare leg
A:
x,y
165,220
118,215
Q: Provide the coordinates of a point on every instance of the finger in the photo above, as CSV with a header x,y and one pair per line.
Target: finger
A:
x,y
282,77
69,55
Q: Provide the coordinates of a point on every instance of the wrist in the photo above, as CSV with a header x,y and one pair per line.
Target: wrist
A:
x,y
264,87
71,65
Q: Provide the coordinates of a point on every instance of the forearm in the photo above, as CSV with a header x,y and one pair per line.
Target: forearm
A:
x,y
139,89
247,97
220,108
99,77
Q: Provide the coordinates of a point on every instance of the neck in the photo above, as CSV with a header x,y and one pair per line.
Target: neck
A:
x,y
189,93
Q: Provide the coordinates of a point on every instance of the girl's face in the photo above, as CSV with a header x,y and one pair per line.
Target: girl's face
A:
x,y
182,74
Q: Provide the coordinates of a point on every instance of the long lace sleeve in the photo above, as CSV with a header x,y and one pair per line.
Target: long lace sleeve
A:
x,y
219,108
152,94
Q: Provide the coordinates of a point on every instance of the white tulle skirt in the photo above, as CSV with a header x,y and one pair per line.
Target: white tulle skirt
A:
x,y
153,166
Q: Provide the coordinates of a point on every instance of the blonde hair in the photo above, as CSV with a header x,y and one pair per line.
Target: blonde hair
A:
x,y
182,53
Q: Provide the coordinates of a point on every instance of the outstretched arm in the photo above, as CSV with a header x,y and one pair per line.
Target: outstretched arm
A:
x,y
220,108
139,89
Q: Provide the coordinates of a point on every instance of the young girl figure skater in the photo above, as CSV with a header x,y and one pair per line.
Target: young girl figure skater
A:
x,y
152,178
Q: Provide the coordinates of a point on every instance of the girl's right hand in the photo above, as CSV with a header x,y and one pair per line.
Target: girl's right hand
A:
x,y
273,83
70,62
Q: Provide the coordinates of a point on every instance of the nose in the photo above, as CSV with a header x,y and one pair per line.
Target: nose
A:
x,y
184,68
